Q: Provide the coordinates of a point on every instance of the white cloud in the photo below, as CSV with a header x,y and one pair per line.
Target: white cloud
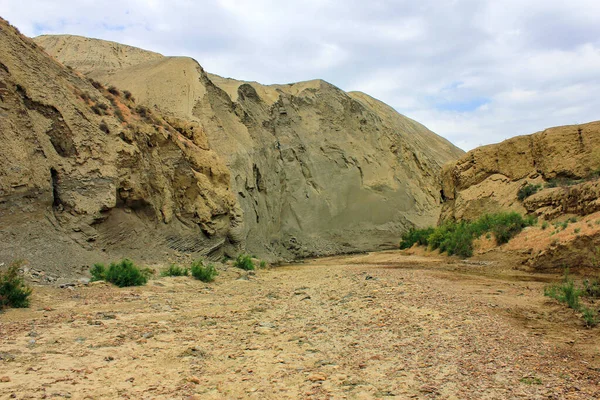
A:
x,y
474,71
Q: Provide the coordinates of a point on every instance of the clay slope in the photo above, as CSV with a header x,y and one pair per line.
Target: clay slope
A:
x,y
563,162
316,170
87,176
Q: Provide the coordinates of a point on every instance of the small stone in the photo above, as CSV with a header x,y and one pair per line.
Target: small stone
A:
x,y
194,379
316,377
5,379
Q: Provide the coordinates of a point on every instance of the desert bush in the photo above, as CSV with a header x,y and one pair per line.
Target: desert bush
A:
x,y
103,127
565,293
244,261
545,225
527,191
97,110
508,225
119,114
121,274
591,288
114,91
457,237
204,273
13,290
263,264
413,236
570,295
590,316
96,84
127,94
143,111
175,270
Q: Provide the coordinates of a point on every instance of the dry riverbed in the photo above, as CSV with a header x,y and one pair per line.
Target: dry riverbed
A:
x,y
383,325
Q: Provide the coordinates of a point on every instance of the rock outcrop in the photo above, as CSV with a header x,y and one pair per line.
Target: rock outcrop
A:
x,y
489,178
315,170
86,175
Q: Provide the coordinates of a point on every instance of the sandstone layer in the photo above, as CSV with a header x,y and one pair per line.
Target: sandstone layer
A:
x,y
87,176
315,170
489,178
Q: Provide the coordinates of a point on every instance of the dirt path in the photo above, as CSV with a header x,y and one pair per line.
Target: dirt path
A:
x,y
374,326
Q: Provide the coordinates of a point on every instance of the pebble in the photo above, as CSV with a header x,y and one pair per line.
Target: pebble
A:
x,y
194,379
316,377
5,379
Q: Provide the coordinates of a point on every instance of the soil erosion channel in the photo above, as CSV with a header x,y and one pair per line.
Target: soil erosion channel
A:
x,y
380,325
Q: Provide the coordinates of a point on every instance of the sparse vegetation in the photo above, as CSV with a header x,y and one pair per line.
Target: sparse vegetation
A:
x,y
114,91
119,114
96,84
244,261
121,274
175,270
530,380
591,288
570,295
590,316
97,110
418,236
565,293
142,111
263,264
204,273
103,127
457,237
127,94
527,191
545,225
13,290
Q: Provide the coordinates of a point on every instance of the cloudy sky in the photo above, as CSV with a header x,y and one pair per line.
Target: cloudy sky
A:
x,y
474,71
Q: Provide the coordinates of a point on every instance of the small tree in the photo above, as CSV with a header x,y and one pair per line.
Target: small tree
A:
x,y
13,290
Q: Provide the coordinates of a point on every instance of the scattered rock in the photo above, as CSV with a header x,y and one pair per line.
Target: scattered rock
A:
x,y
4,379
316,377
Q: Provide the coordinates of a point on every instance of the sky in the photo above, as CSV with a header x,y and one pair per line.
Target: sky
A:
x,y
474,71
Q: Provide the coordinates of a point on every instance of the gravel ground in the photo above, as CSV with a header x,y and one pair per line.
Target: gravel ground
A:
x,y
383,325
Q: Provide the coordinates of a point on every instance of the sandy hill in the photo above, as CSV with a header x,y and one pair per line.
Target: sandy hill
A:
x,y
316,170
87,175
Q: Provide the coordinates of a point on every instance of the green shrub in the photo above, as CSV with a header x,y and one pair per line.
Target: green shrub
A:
x,y
13,290
121,274
508,225
175,270
244,261
204,273
565,293
590,317
413,236
263,264
527,191
457,237
545,225
591,288
98,272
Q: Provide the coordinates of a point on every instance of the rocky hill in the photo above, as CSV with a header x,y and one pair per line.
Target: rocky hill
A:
x,y
315,170
549,173
86,175
554,175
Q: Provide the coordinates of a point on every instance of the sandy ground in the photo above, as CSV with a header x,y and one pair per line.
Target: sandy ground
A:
x,y
382,325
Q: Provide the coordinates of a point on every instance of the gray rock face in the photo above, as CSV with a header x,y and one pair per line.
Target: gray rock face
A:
x,y
316,170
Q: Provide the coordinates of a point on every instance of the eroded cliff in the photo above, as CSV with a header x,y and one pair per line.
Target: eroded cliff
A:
x,y
86,175
316,170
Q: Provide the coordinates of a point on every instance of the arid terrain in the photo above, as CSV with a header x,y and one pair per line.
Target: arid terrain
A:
x,y
381,325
